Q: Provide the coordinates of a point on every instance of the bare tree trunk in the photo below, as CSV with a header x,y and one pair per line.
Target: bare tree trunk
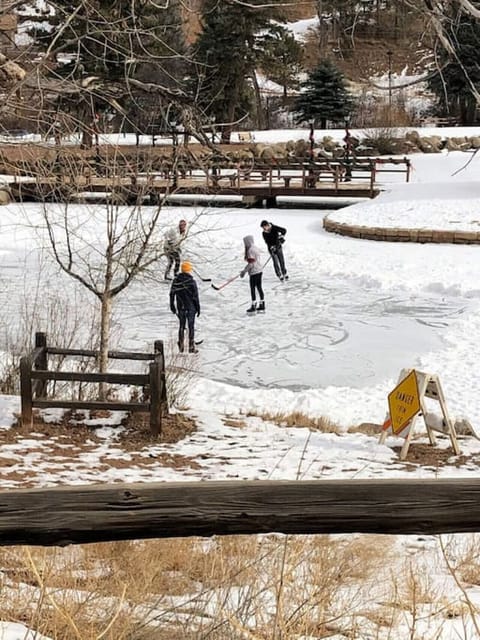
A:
x,y
258,101
105,319
322,27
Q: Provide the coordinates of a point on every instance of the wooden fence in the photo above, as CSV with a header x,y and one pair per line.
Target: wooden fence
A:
x,y
84,514
35,375
381,165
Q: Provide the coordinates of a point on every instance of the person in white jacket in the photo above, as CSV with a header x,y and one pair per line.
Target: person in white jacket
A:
x,y
254,269
172,247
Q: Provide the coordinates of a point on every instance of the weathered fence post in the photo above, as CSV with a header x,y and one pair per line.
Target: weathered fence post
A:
x,y
155,398
41,362
160,356
26,390
373,174
407,162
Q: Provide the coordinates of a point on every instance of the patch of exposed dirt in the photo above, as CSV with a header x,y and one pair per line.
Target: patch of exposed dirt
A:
x,y
239,424
133,433
427,455
71,444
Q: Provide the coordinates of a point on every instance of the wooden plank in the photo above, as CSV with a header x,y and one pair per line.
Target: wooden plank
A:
x,y
40,361
125,355
82,376
81,514
39,357
26,390
155,398
45,403
160,357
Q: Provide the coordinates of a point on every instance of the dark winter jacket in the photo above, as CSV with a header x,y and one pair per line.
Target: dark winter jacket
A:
x,y
184,294
274,237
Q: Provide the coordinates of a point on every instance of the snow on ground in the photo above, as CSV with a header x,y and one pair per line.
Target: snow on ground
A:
x,y
444,195
261,136
331,343
333,339
300,28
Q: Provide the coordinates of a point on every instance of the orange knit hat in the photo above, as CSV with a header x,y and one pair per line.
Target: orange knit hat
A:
x,y
186,267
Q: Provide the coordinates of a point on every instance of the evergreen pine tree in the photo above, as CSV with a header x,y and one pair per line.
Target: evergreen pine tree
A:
x,y
226,57
459,76
324,98
281,57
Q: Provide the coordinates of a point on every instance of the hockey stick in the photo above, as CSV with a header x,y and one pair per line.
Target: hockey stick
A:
x,y
200,277
235,277
225,283
267,261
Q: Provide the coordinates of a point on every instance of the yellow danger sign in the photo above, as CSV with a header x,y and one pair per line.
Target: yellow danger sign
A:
x,y
404,402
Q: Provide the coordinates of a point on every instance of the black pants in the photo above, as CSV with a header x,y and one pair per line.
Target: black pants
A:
x,y
186,316
278,260
256,285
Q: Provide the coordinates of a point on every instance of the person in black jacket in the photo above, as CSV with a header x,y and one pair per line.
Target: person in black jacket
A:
x,y
184,302
274,237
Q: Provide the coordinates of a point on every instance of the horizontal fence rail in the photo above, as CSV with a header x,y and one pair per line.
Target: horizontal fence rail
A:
x,y
96,513
35,377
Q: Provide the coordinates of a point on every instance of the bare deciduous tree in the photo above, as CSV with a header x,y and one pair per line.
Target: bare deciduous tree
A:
x,y
104,248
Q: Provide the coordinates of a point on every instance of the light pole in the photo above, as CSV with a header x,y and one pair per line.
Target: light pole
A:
x,y
389,54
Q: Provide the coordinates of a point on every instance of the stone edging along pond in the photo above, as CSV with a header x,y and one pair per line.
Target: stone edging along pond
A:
x,y
396,234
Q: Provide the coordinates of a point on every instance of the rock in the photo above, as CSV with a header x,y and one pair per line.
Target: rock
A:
x,y
451,145
5,197
329,144
413,137
464,427
428,145
475,142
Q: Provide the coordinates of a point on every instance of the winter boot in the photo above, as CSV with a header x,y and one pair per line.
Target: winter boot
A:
x,y
192,348
253,308
180,346
286,276
261,306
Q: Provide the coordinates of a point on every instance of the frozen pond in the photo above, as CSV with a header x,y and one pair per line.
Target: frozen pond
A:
x,y
329,325
339,338
320,329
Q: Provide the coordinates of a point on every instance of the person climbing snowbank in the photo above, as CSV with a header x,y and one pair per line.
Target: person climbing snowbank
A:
x,y
254,269
185,303
274,237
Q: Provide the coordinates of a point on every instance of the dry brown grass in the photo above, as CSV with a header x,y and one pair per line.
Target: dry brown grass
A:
x,y
466,560
367,428
225,588
300,420
110,590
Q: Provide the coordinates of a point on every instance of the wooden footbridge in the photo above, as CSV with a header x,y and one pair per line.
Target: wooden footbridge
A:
x,y
255,184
